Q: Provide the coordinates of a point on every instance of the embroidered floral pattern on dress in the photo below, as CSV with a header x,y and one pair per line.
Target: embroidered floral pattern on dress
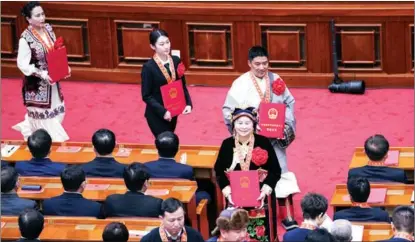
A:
x,y
46,114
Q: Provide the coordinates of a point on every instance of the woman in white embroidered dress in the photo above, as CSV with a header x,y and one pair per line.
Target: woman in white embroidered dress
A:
x,y
43,100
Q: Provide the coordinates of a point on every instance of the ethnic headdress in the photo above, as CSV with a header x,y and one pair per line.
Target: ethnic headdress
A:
x,y
249,112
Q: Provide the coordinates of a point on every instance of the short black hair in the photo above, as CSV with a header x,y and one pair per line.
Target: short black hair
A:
x,y
319,235
257,51
9,178
115,231
376,147
72,177
170,205
39,143
403,219
167,144
104,141
313,205
28,7
156,34
31,223
358,188
135,175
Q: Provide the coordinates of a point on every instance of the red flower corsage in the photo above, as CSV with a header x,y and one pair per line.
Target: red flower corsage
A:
x,y
180,70
58,43
259,156
278,86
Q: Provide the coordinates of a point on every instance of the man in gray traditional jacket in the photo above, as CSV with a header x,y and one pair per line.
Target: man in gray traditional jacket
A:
x,y
249,90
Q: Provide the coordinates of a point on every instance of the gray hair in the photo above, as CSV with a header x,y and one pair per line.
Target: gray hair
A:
x,y
341,229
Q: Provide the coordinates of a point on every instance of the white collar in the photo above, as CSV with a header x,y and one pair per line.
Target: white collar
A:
x,y
175,238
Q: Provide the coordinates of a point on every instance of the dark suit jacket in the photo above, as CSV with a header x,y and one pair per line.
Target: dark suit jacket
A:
x,y
39,167
104,167
394,240
12,204
298,234
132,204
71,204
27,240
358,214
4,163
379,174
151,80
169,168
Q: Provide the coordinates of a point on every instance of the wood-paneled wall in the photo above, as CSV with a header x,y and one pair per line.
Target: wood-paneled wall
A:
x,y
108,41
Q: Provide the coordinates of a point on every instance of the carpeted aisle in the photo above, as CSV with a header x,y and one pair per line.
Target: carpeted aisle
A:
x,y
329,126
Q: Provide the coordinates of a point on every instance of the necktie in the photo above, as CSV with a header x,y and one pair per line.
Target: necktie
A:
x,y
168,68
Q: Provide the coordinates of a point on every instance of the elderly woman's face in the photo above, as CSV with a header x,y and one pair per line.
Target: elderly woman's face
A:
x,y
244,126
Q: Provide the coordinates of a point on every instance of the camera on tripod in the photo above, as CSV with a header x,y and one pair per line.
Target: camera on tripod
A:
x,y
338,85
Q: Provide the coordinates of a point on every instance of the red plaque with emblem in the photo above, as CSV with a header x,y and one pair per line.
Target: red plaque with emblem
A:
x,y
272,120
173,97
245,188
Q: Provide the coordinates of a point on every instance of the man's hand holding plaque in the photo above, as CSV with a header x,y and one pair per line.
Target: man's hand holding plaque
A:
x,y
272,120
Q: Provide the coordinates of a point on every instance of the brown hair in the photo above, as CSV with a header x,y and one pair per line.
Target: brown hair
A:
x,y
238,220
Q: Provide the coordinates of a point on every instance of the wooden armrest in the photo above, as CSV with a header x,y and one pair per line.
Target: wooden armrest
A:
x,y
203,222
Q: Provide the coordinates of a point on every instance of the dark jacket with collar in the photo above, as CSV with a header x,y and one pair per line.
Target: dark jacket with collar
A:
x,y
104,167
71,204
39,167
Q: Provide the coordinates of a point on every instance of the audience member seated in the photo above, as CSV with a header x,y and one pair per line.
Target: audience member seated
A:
x,y
30,225
134,203
314,207
172,228
167,144
402,224
71,202
39,144
320,235
4,163
359,191
341,230
115,232
11,204
231,225
376,148
104,165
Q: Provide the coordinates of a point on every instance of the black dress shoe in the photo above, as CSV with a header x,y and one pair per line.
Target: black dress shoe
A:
x,y
289,224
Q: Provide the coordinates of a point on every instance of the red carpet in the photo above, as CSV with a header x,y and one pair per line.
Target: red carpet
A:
x,y
329,126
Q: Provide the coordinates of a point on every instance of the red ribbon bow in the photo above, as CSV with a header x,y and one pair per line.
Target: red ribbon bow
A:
x,y
58,43
180,70
259,156
278,87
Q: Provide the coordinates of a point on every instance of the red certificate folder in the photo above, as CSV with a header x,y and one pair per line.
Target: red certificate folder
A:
x,y
272,120
245,188
173,97
57,64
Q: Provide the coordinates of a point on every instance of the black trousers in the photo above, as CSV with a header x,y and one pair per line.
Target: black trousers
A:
x,y
159,125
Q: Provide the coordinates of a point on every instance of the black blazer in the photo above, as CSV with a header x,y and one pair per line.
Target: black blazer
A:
x,y
12,204
151,80
380,174
358,214
132,204
71,204
104,167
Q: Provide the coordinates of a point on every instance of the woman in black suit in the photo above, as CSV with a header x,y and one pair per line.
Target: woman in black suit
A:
x,y
160,70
